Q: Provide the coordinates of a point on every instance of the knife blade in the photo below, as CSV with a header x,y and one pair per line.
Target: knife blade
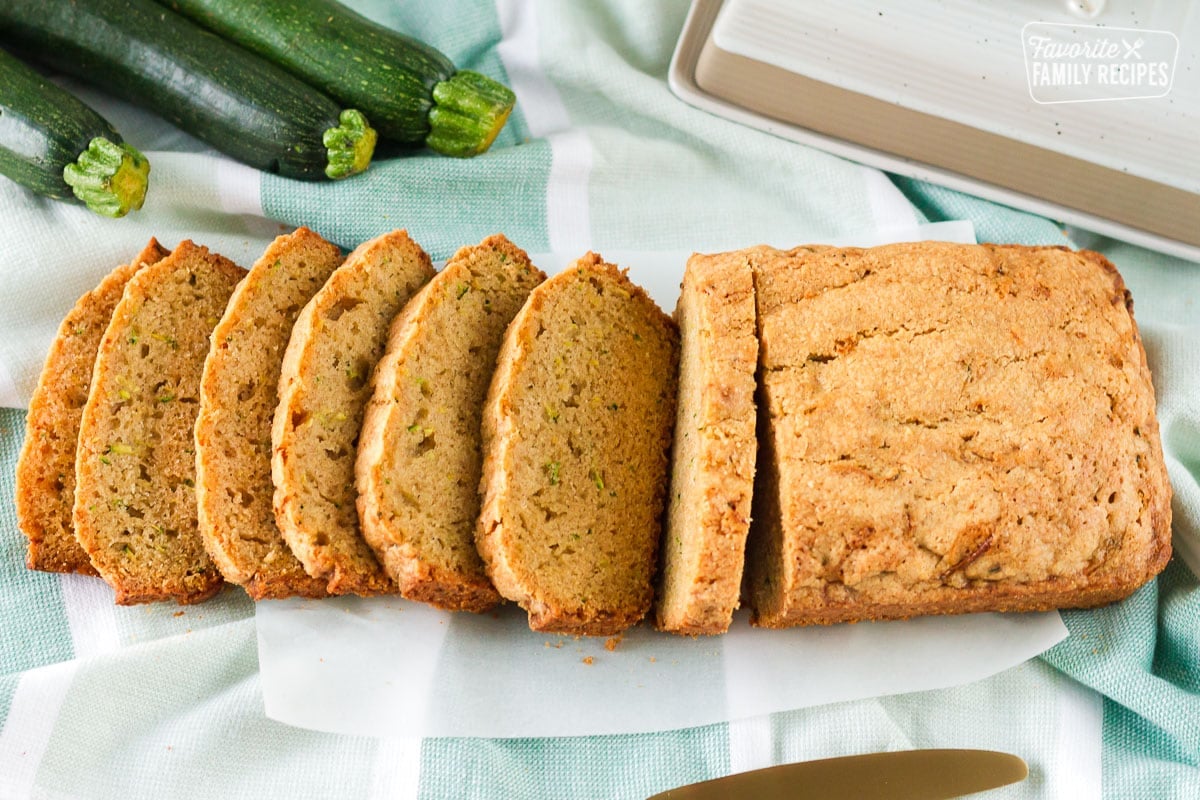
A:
x,y
903,775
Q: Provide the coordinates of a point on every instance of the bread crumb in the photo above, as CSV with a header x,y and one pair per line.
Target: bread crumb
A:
x,y
589,660
653,660
178,614
611,643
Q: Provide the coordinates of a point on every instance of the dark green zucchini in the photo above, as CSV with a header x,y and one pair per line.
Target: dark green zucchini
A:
x,y
241,104
411,92
53,144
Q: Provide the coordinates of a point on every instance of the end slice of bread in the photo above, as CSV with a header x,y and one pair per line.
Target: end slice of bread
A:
x,y
45,479
135,500
419,457
576,433
712,471
238,396
324,386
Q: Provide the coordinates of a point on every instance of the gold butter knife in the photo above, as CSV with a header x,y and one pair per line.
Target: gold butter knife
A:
x,y
904,775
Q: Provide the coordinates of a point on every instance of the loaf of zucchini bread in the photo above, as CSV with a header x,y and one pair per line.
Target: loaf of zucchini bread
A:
x,y
951,428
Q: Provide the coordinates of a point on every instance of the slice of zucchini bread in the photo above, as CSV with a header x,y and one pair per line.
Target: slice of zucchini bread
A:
x,y
45,491
135,496
712,465
238,395
419,457
576,435
324,386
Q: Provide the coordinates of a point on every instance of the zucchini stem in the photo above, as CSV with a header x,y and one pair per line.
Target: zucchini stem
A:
x,y
470,109
349,145
109,178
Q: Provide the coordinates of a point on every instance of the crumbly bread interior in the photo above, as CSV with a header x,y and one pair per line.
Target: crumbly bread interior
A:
x,y
419,458
135,501
951,428
239,393
576,434
324,386
45,492
712,471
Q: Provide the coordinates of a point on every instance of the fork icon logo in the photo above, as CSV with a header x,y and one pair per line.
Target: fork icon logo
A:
x,y
1132,49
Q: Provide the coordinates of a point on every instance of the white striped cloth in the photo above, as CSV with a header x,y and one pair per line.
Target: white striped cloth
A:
x,y
161,702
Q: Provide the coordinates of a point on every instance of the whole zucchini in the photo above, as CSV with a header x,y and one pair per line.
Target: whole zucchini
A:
x,y
411,92
236,101
53,144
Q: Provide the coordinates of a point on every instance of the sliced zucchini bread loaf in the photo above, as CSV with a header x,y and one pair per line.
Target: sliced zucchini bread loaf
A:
x,y
952,428
324,386
419,457
238,395
45,492
712,469
576,433
135,497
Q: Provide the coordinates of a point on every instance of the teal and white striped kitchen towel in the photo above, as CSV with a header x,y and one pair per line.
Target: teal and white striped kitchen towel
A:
x,y
165,702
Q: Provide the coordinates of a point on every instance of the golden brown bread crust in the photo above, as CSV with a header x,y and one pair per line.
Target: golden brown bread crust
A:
x,y
712,461
576,432
135,502
45,490
238,396
324,386
952,428
419,453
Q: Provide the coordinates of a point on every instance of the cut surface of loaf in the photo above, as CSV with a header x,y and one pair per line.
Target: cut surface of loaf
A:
x,y
135,497
238,395
951,428
419,456
712,469
324,386
45,479
576,433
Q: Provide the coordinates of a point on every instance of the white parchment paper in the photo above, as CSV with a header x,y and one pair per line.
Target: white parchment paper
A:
x,y
392,668
388,667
